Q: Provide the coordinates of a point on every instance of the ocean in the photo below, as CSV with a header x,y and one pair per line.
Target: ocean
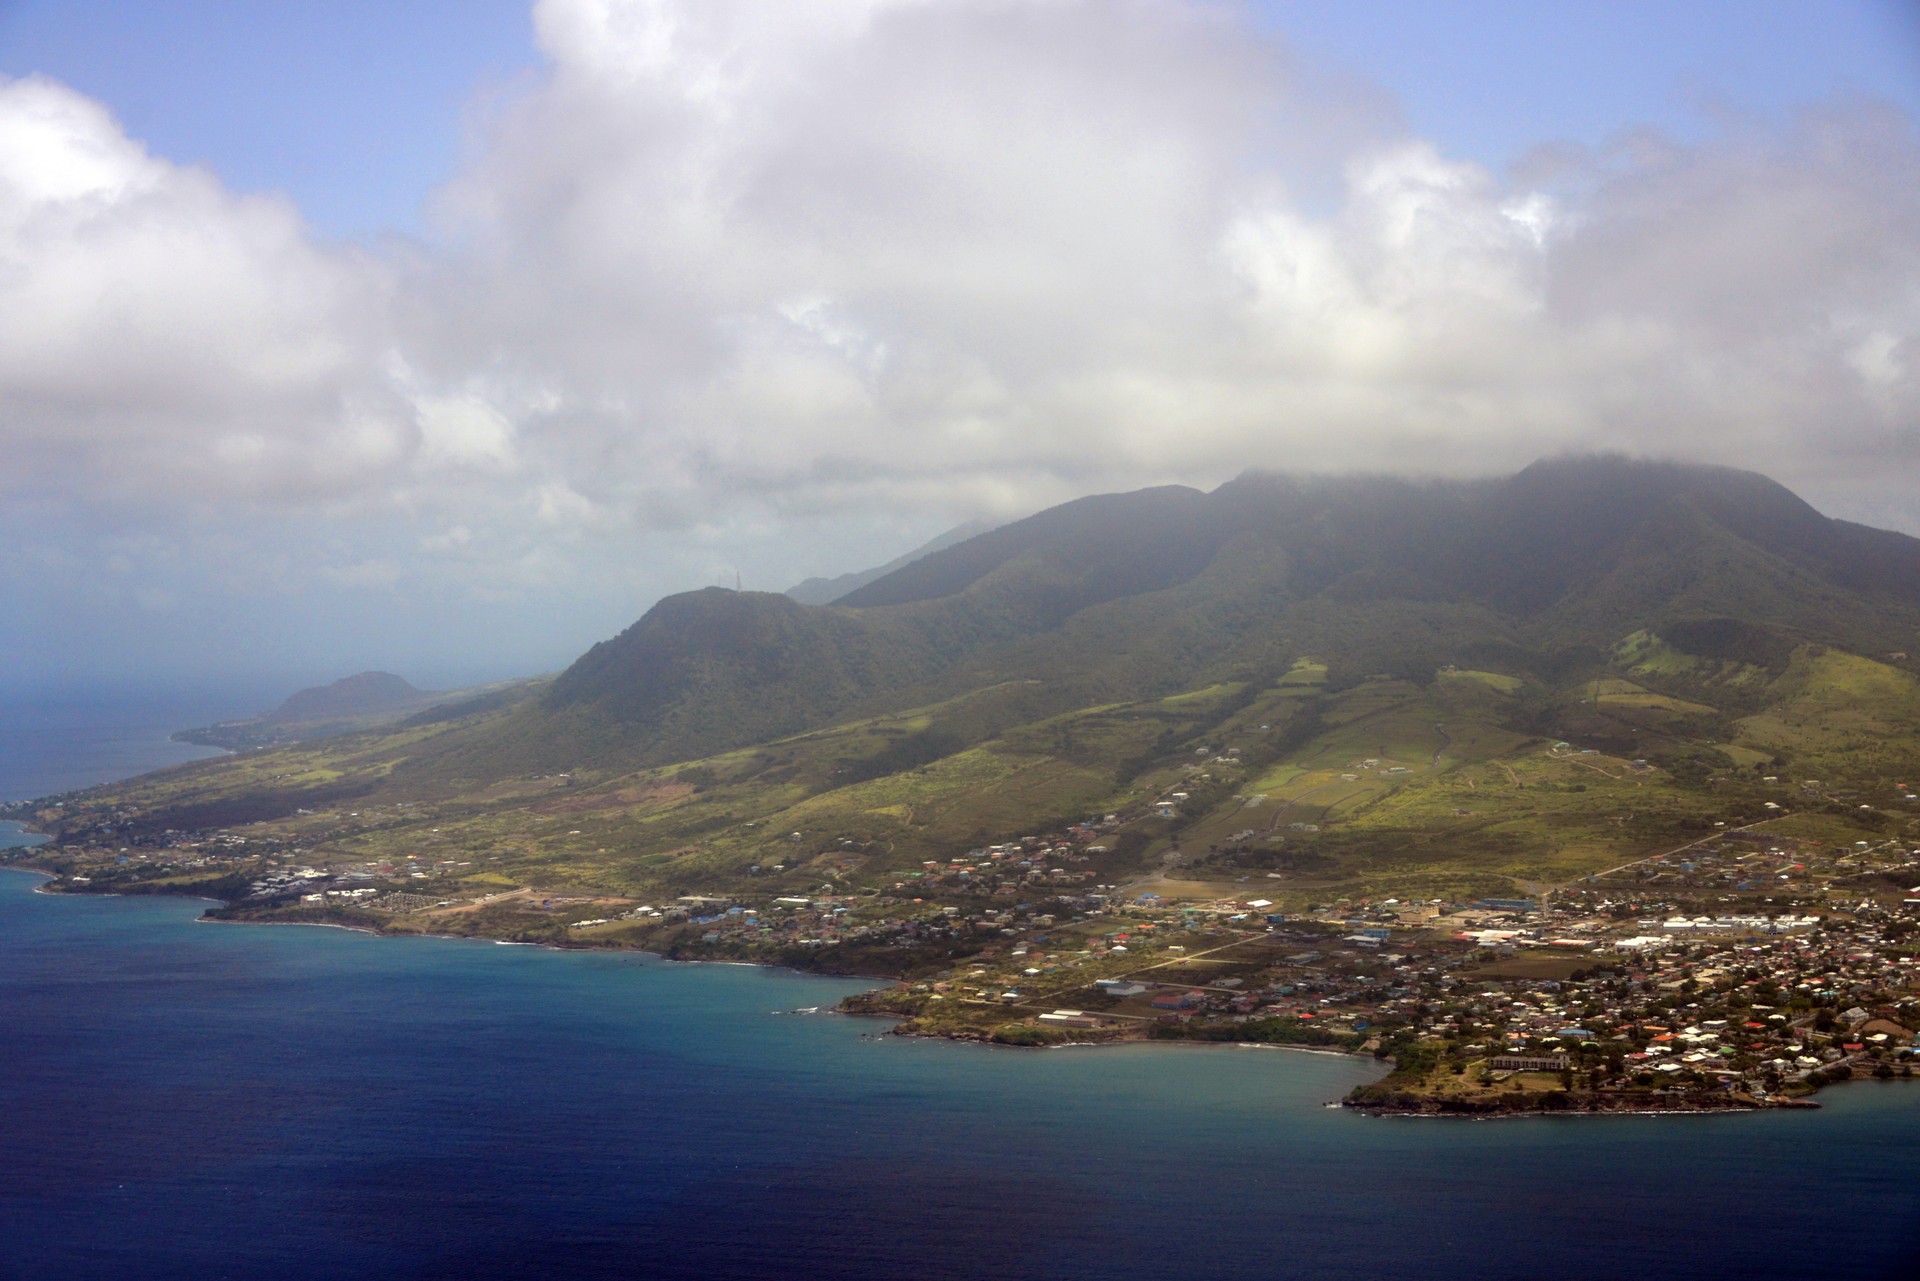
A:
x,y
184,1099
58,743
189,1099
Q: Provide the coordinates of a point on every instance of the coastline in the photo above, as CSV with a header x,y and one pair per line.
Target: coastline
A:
x,y
1569,1114
1578,1103
651,1056
1364,1109
206,918
880,982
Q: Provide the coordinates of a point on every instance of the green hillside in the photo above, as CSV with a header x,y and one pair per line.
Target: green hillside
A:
x,y
1337,687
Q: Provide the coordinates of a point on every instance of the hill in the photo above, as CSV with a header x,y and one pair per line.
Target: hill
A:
x,y
1138,595
350,696
361,702
1343,686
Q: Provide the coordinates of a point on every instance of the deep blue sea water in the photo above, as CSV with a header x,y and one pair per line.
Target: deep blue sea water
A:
x,y
56,743
186,1099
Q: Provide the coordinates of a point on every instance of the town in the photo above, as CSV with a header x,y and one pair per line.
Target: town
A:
x,y
1743,970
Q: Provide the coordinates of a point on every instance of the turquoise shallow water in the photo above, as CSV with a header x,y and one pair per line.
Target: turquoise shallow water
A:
x,y
183,1099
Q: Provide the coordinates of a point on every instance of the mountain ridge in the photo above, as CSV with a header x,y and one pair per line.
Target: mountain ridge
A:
x,y
827,591
1353,685
1130,595
356,695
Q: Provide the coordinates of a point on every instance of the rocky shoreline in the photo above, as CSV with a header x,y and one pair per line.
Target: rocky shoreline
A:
x,y
1571,1103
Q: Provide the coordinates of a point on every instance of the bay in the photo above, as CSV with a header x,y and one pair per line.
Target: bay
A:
x,y
187,1099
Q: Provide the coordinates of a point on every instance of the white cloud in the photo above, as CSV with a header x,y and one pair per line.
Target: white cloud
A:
x,y
464,431
878,251
564,510
450,540
158,332
372,575
733,262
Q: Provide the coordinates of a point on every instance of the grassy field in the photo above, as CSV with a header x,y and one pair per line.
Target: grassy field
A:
x,y
1843,716
1462,782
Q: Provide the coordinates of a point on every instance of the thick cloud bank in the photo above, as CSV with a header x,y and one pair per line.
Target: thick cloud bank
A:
x,y
749,260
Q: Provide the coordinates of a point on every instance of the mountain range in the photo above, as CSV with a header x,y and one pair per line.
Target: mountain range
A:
x,y
1332,677
1136,595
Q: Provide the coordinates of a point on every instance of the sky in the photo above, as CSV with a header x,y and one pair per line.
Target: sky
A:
x,y
445,337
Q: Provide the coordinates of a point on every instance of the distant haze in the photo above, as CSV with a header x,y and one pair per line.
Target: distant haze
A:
x,y
824,591
777,290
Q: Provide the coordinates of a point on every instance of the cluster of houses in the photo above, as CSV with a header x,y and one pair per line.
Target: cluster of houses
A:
x,y
842,920
1744,961
1014,867
1757,999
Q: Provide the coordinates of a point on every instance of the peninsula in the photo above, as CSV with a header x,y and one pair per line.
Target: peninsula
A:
x,y
1587,789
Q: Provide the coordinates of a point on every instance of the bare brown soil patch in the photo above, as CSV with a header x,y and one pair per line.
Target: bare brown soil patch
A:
x,y
1533,965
